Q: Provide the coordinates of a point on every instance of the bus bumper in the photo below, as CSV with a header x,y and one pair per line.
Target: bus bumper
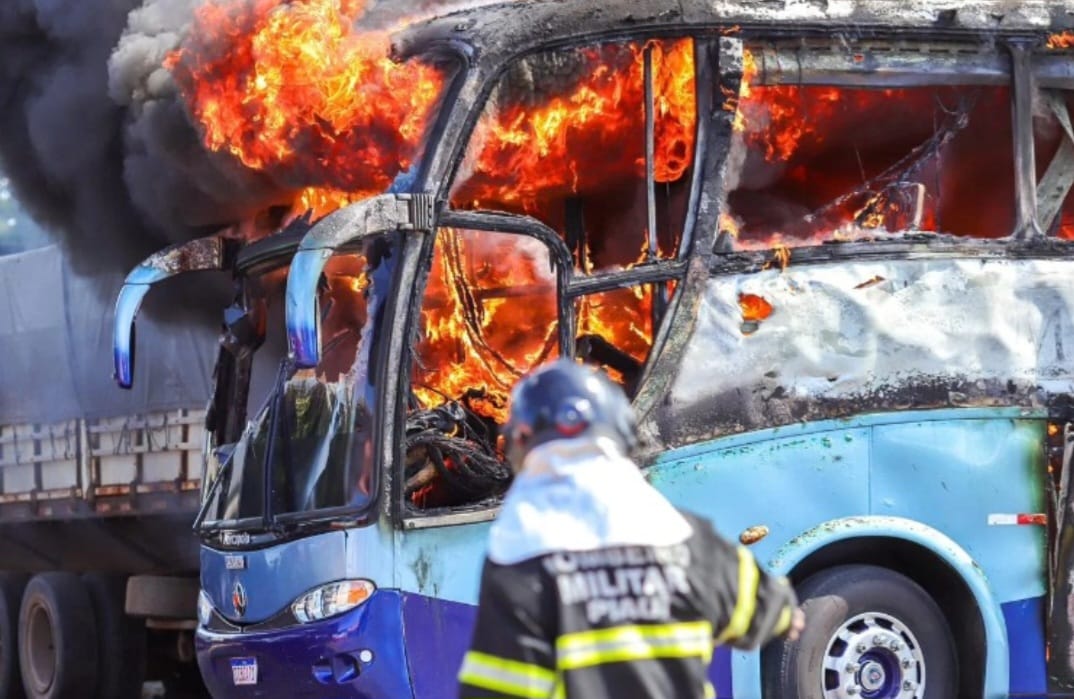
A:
x,y
356,655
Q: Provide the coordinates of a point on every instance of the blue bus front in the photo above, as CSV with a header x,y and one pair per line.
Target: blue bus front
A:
x,y
297,584
363,651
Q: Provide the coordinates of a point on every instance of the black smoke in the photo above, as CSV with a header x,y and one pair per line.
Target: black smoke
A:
x,y
94,136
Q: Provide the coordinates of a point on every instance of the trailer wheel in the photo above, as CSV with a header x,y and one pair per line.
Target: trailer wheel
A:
x,y
57,638
121,640
870,633
11,587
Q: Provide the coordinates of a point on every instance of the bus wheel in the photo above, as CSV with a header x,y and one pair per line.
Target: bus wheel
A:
x,y
11,586
57,638
870,633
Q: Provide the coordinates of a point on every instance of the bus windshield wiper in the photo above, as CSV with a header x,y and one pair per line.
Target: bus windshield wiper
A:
x,y
210,494
274,419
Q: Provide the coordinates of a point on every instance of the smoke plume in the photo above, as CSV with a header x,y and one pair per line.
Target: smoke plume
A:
x,y
96,138
79,158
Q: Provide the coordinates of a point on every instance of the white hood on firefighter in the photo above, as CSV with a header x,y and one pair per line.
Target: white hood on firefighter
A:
x,y
578,495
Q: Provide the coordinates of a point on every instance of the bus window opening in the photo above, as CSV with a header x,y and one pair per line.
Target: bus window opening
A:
x,y
562,139
489,315
824,163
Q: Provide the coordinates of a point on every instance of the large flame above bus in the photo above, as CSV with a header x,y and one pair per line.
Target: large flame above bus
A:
x,y
293,90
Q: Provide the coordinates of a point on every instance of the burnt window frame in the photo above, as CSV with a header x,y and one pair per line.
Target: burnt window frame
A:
x,y
578,282
1017,62
403,513
1052,71
571,282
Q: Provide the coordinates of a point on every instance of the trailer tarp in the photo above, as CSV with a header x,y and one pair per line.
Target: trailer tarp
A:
x,y
56,348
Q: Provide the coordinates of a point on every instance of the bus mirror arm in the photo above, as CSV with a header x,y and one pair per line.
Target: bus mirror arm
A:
x,y
386,212
203,254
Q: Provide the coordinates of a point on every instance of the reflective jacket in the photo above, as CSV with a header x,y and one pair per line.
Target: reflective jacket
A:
x,y
625,622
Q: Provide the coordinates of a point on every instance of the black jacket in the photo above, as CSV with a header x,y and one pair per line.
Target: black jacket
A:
x,y
630,621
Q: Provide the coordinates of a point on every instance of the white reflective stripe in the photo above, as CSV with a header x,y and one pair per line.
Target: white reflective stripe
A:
x,y
1022,519
507,676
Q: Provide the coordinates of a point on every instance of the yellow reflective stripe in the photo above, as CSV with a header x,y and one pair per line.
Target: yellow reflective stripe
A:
x,y
596,636
784,622
641,642
746,604
506,676
710,691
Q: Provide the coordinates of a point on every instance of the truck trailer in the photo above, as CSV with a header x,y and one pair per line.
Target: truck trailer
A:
x,y
98,491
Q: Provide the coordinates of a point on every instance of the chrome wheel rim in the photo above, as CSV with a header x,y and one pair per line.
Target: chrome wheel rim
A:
x,y
873,656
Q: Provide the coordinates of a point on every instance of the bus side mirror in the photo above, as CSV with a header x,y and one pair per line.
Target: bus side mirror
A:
x,y
197,255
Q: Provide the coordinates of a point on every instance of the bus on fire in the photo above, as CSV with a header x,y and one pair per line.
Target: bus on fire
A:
x,y
822,245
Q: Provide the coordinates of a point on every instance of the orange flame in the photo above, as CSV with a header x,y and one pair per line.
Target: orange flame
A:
x,y
603,113
754,308
771,115
294,90
1062,40
489,314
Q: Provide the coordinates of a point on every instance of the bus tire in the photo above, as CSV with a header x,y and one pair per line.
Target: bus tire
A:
x,y
121,640
11,587
57,638
869,627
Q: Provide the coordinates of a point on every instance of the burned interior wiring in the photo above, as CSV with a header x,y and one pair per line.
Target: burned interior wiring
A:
x,y
452,457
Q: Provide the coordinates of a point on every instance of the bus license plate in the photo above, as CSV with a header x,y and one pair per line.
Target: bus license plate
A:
x,y
244,670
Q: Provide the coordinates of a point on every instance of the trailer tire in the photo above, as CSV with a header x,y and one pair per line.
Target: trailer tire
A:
x,y
121,640
57,638
881,628
11,587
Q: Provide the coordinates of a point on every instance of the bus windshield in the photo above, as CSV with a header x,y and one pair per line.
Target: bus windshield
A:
x,y
308,448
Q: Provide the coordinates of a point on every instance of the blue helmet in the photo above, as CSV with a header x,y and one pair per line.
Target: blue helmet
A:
x,y
563,400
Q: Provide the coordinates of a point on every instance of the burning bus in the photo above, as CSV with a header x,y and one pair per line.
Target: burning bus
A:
x,y
824,246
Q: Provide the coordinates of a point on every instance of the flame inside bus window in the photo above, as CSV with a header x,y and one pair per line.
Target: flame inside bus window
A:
x,y
821,163
563,139
488,316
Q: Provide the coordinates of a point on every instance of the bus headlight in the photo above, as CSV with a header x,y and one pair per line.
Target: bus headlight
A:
x,y
331,599
205,608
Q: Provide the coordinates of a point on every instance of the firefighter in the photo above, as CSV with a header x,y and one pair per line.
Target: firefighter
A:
x,y
595,586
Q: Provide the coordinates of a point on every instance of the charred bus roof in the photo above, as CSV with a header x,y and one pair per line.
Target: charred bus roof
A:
x,y
517,27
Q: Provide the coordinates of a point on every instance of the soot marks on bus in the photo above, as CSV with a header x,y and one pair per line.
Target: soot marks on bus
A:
x,y
869,221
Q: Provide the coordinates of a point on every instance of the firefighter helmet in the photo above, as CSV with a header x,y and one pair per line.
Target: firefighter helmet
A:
x,y
563,400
